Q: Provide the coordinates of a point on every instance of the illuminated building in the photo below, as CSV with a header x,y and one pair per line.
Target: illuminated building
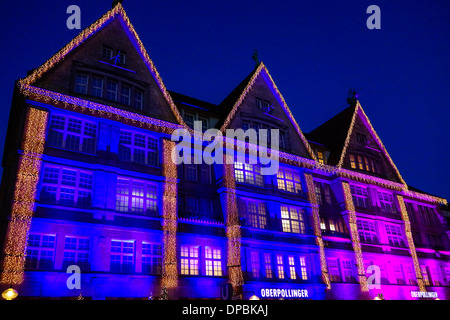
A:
x,y
89,181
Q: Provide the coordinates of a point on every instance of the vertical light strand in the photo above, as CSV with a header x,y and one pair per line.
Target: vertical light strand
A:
x,y
169,224
412,247
349,206
22,206
233,230
317,232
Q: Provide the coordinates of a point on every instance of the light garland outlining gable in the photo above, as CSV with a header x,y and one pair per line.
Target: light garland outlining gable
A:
x,y
169,224
24,196
350,207
317,231
233,230
358,108
412,248
98,109
261,67
116,11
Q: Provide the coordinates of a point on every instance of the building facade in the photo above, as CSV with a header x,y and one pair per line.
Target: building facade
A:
x,y
89,182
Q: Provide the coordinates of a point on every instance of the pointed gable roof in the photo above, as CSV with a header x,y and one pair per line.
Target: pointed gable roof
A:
x,y
117,12
234,100
336,133
333,133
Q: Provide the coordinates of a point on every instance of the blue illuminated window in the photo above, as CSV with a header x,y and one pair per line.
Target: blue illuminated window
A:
x,y
138,99
40,252
66,186
76,252
151,258
111,90
268,265
255,264
122,256
138,148
97,86
136,196
125,94
72,134
254,212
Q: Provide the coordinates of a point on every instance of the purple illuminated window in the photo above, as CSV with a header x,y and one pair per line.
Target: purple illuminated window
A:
x,y
360,196
136,196
66,186
387,202
367,231
189,260
137,147
72,134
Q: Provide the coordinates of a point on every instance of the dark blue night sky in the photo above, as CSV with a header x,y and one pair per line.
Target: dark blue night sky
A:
x,y
315,51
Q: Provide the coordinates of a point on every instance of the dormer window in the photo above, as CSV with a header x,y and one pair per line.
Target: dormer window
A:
x,y
320,157
107,53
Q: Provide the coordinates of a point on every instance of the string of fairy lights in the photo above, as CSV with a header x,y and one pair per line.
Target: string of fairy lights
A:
x,y
411,245
24,195
317,231
169,225
354,235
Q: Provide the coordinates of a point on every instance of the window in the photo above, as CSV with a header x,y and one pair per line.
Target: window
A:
x,y
425,275
111,90
318,192
352,161
121,57
323,226
97,86
72,134
81,83
264,105
189,260
138,99
254,212
122,256
289,180
361,138
151,258
395,235
359,195
347,271
447,274
280,266
136,196
189,120
292,219
107,53
410,275
327,193
138,148
333,269
411,211
320,157
66,186
292,272
435,276
398,272
205,125
303,271
387,202
125,94
192,205
213,262
268,265
248,173
76,251
367,231
40,252
255,263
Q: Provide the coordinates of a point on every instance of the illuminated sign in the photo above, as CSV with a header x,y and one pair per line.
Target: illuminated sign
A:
x,y
284,293
422,294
